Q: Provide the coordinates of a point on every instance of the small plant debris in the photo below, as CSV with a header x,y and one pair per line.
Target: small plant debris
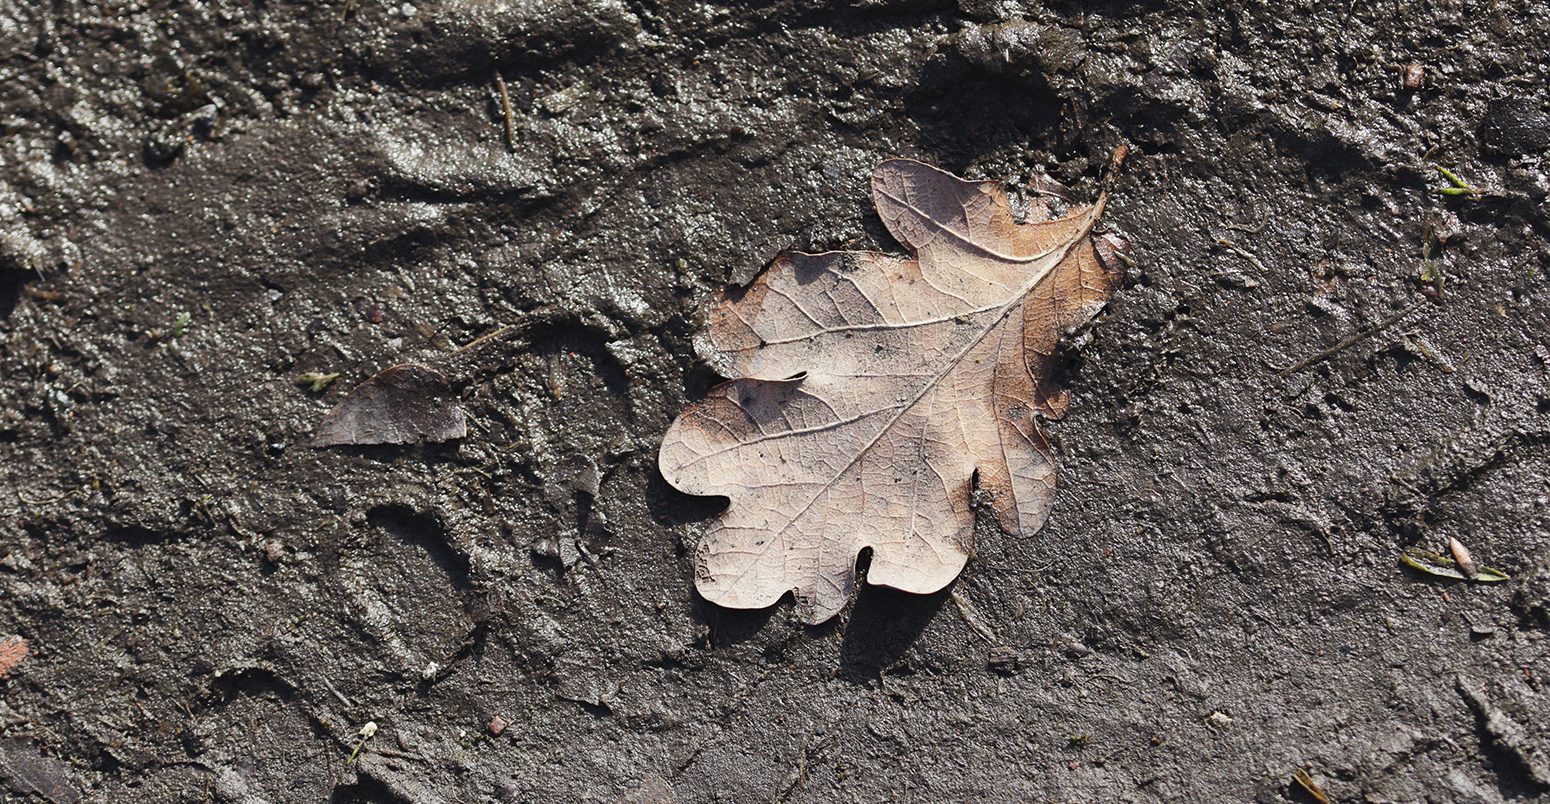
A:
x,y
1239,279
1004,660
399,405
1350,340
34,772
1457,186
1305,783
367,732
316,381
1441,566
1431,274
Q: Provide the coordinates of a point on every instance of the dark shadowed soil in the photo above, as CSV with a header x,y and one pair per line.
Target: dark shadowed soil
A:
x,y
201,201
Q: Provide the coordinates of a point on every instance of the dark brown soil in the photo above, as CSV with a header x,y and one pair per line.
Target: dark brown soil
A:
x,y
201,201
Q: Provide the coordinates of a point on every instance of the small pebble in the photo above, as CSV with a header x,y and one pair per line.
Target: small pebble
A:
x,y
497,725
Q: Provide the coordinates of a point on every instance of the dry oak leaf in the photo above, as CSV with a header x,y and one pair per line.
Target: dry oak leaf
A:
x,y
872,392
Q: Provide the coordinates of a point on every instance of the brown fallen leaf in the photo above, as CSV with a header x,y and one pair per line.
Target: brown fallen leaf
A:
x,y
871,392
398,405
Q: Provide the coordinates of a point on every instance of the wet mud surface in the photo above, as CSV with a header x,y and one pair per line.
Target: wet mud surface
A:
x,y
202,201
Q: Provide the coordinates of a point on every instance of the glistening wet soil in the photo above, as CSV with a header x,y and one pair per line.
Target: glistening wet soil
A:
x,y
202,201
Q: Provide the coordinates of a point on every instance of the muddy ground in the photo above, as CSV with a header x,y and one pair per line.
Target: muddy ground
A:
x,y
202,201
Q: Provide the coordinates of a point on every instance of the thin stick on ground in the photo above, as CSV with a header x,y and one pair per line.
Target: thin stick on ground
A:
x,y
488,336
336,693
972,616
1244,253
500,89
1350,340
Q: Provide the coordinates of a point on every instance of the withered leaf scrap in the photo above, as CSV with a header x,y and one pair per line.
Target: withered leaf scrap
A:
x,y
871,393
30,772
399,405
1442,566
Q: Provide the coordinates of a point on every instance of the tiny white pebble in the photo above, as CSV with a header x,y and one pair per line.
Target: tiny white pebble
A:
x,y
368,730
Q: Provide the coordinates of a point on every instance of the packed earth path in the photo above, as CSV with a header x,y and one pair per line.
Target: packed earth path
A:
x,y
217,218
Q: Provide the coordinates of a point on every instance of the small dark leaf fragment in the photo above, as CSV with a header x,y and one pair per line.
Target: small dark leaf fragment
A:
x,y
400,405
31,771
